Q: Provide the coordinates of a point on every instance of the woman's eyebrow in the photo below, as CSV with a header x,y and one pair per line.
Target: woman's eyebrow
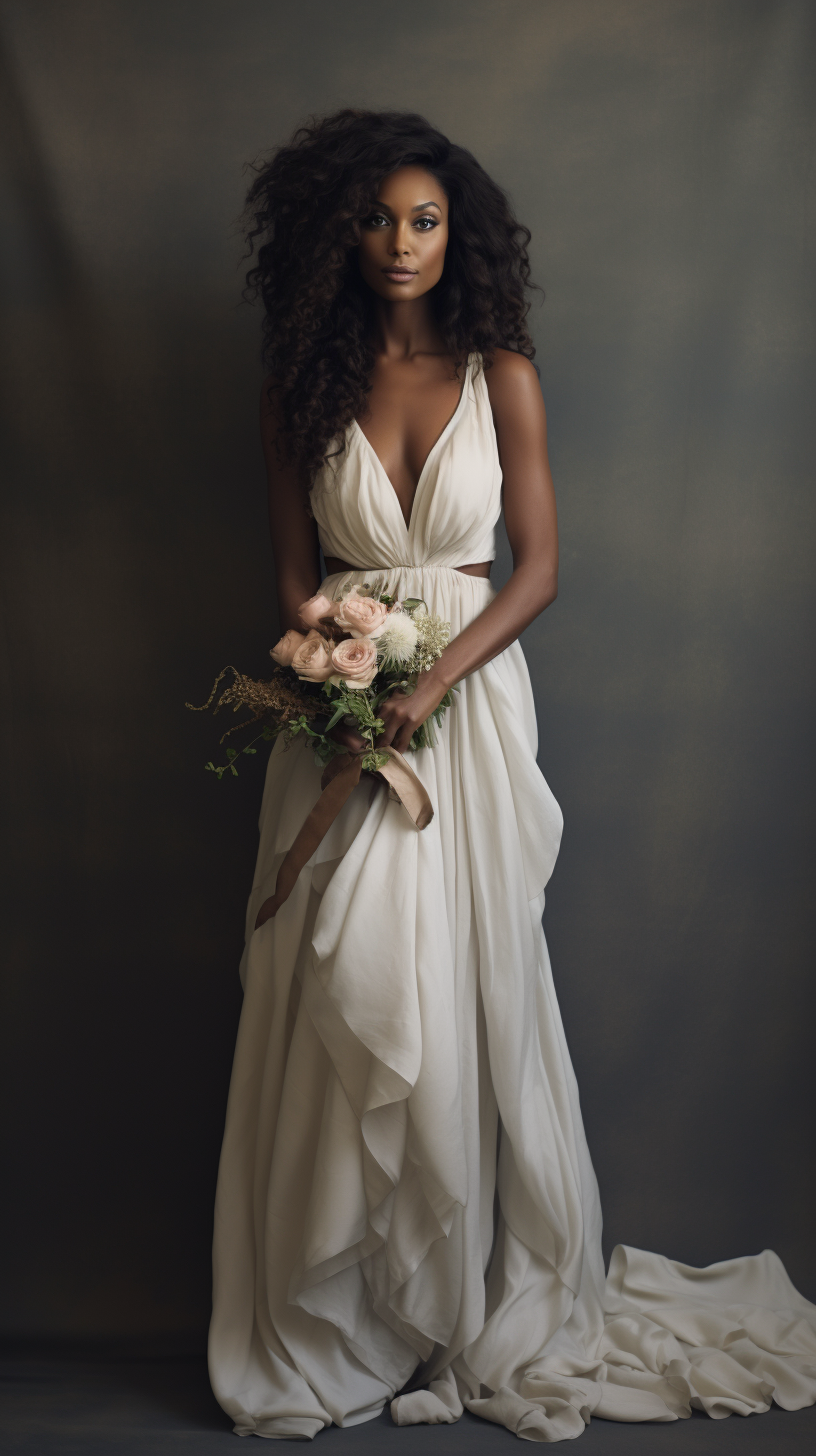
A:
x,y
420,207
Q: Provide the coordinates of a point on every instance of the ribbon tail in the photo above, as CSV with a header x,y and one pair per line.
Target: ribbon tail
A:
x,y
340,776
344,778
405,786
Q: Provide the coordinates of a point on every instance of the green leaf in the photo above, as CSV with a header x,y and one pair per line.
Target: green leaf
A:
x,y
374,760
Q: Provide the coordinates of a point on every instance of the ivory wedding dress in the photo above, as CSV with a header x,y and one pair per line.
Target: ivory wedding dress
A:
x,y
401,1060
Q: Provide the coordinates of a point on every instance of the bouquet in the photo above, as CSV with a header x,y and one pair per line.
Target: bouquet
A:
x,y
354,652
352,655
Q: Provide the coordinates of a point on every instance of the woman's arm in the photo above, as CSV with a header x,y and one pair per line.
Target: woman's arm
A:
x,y
532,530
295,546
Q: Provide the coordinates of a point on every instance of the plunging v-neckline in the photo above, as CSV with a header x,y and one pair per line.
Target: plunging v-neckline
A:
x,y
428,458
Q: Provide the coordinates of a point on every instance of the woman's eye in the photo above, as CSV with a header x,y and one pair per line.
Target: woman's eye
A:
x,y
425,224
377,220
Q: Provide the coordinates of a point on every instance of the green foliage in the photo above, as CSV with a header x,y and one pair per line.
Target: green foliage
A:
x,y
357,707
219,769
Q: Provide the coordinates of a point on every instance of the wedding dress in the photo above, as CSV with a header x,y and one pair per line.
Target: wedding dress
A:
x,y
405,1193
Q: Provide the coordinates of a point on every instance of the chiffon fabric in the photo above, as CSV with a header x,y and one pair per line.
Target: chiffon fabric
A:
x,y
405,1195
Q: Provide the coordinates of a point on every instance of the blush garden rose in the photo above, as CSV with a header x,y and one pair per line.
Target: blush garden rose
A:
x,y
312,660
318,607
324,678
360,615
287,647
354,662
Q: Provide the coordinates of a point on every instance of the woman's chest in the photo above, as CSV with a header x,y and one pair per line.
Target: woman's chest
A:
x,y
409,407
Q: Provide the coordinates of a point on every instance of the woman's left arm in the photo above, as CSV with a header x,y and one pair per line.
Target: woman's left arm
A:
x,y
532,530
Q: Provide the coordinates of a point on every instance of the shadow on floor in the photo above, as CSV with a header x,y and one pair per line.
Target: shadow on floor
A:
x,y
159,1407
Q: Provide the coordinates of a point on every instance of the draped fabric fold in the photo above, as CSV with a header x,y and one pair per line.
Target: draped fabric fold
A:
x,y
340,776
407,1211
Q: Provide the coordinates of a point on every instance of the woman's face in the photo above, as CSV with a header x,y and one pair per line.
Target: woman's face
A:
x,y
403,239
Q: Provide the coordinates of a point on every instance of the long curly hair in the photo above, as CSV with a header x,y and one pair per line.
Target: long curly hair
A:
x,y
302,223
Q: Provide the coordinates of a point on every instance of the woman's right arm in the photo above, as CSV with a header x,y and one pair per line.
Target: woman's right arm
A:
x,y
295,546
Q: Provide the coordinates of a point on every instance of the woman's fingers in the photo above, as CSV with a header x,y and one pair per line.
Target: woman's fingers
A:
x,y
349,737
391,725
400,721
397,730
402,739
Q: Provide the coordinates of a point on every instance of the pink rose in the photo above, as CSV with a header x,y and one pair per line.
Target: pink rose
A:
x,y
311,659
361,616
355,661
287,647
317,607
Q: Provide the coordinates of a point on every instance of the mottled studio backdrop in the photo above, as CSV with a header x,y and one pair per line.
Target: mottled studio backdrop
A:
x,y
662,152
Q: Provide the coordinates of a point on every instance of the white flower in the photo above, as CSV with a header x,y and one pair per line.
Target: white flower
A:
x,y
434,635
398,638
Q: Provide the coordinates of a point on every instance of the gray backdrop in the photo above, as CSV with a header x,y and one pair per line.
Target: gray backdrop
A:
x,y
662,153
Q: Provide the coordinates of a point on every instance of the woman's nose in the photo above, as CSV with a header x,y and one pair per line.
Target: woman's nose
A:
x,y
401,243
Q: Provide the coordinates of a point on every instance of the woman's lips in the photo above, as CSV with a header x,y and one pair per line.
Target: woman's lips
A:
x,y
400,275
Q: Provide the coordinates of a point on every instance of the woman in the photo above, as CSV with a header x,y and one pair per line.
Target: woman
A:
x,y
406,1201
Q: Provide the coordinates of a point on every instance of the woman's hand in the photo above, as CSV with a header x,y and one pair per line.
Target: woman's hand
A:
x,y
402,713
347,734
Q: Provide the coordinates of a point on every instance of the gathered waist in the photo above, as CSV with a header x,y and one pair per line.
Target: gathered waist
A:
x,y
460,571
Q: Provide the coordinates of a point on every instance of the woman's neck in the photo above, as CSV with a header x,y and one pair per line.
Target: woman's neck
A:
x,y
402,330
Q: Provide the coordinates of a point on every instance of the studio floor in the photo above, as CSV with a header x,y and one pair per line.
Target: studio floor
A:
x,y
70,1407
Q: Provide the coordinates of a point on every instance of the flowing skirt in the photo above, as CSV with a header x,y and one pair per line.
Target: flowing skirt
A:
x,y
405,1194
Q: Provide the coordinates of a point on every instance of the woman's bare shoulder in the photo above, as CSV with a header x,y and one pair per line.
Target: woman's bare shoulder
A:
x,y
512,383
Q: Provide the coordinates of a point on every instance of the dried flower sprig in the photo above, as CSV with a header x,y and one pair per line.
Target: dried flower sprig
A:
x,y
358,651
279,695
292,711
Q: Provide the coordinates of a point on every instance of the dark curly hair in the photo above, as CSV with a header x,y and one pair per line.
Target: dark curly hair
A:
x,y
302,222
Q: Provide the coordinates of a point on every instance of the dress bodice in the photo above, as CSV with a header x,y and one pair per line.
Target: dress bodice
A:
x,y
456,505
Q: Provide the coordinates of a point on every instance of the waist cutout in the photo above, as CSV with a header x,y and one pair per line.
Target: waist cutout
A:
x,y
336,567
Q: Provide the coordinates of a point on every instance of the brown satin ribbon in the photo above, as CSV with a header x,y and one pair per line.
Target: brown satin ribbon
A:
x,y
404,785
340,776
